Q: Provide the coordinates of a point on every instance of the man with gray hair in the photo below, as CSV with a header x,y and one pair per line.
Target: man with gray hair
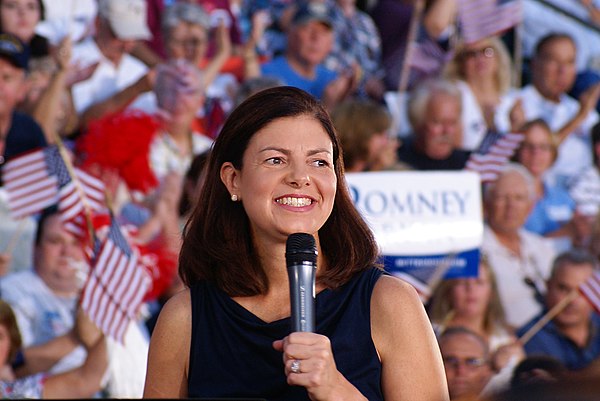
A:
x,y
434,110
186,30
520,259
573,335
467,362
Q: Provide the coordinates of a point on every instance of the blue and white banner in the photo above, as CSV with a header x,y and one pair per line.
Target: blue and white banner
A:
x,y
422,220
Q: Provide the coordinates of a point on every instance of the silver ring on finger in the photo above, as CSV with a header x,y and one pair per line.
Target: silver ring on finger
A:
x,y
295,366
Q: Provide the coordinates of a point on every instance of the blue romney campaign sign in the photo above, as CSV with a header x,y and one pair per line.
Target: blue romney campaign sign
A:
x,y
425,223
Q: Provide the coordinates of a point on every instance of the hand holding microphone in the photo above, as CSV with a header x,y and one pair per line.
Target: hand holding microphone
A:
x,y
308,358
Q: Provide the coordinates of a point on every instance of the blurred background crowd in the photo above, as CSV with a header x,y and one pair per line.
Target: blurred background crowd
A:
x,y
135,91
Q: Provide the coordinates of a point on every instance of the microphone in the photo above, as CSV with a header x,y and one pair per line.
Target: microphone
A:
x,y
301,260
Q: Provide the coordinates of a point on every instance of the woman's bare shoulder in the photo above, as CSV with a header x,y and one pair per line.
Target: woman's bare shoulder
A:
x,y
391,292
395,307
168,357
177,311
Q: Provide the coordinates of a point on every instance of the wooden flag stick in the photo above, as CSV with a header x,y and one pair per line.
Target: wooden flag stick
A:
x,y
86,208
440,271
415,20
447,319
548,316
517,55
14,239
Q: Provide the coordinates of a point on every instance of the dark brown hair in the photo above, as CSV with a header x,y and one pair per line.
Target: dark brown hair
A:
x,y
541,44
9,320
217,245
356,122
538,122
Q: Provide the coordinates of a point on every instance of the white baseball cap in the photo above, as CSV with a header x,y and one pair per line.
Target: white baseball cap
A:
x,y
127,18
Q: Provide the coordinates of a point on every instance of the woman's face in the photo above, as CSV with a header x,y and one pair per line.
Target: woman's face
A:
x,y
287,183
471,296
4,345
479,59
536,152
20,17
382,151
187,41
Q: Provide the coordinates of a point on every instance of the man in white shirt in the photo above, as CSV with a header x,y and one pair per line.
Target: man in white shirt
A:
x,y
119,78
553,74
44,300
542,18
521,260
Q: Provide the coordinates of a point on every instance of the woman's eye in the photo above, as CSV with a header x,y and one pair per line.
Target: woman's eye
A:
x,y
321,163
274,160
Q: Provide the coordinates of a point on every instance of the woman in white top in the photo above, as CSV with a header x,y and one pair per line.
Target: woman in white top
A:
x,y
483,73
474,303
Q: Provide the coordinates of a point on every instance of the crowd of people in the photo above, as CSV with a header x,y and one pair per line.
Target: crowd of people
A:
x,y
220,127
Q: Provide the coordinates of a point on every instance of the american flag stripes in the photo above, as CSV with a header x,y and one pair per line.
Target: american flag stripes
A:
x,y
118,280
427,57
482,18
493,154
39,179
29,184
590,289
77,198
116,285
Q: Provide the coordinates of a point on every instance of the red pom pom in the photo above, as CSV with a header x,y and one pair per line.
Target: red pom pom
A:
x,y
122,142
162,266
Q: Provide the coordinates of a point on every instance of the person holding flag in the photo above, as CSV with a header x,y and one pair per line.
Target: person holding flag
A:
x,y
18,133
45,299
573,335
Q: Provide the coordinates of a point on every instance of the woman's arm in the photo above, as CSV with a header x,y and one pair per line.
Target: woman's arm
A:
x,y
587,102
86,380
41,357
82,382
120,100
213,68
412,367
168,357
49,105
439,16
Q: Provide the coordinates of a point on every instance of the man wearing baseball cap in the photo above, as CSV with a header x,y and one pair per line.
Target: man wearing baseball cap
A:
x,y
310,39
18,132
119,77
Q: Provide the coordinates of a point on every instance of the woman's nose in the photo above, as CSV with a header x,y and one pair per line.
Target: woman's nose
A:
x,y
298,176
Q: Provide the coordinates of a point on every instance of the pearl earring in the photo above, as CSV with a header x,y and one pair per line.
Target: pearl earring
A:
x,y
234,198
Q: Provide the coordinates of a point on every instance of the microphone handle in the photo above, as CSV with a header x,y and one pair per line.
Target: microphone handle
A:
x,y
302,295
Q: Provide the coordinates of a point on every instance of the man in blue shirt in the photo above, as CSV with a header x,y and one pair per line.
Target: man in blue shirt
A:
x,y
18,132
310,39
573,336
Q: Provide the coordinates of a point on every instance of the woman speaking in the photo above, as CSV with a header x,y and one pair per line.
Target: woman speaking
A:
x,y
275,170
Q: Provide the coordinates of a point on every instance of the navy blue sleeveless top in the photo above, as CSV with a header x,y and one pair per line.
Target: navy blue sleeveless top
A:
x,y
231,352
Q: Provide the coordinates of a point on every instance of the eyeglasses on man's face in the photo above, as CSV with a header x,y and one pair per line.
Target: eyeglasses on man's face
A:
x,y
468,363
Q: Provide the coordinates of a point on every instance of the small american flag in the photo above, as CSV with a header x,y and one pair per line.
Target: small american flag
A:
x,y
78,199
116,285
39,179
427,57
483,18
30,185
493,154
590,289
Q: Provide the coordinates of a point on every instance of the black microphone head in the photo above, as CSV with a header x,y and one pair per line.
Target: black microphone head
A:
x,y
300,247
